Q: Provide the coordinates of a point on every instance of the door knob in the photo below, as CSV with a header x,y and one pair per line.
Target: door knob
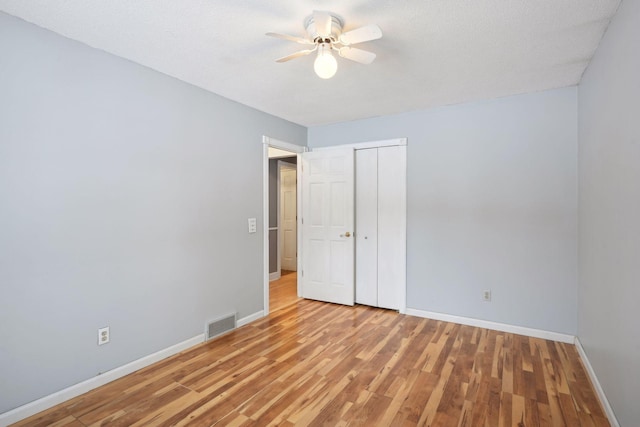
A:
x,y
347,234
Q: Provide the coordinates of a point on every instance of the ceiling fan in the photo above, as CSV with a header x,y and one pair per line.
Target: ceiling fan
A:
x,y
324,35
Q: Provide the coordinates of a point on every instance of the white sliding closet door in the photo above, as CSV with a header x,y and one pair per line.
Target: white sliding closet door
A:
x,y
367,227
381,226
392,228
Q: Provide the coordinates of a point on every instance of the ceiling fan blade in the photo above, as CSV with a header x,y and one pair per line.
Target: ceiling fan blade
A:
x,y
362,34
290,38
322,20
295,55
358,55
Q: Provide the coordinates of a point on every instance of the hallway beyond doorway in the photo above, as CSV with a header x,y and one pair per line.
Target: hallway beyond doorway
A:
x,y
283,291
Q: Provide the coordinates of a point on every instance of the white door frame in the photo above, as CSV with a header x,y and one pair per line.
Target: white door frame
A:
x,y
266,142
365,145
296,149
378,144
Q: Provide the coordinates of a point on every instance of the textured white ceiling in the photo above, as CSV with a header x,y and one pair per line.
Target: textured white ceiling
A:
x,y
433,52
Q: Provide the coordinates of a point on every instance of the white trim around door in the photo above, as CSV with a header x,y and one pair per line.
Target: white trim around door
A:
x,y
368,144
402,292
294,149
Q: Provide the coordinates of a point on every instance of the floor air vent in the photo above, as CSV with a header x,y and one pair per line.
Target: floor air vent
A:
x,y
220,326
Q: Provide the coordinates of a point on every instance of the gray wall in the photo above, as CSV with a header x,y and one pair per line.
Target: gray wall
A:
x,y
492,203
116,209
609,213
124,198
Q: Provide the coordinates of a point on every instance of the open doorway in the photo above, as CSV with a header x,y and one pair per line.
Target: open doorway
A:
x,y
287,214
281,204
283,244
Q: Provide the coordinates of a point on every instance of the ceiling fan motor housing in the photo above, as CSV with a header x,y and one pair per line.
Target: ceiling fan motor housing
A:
x,y
312,31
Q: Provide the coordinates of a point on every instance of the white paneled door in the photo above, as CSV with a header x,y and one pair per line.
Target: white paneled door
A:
x,y
392,234
367,227
328,226
288,216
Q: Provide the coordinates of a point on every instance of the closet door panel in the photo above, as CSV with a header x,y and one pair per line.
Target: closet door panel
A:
x,y
391,226
366,227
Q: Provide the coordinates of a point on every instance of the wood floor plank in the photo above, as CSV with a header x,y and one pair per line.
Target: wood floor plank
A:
x,y
310,363
46,418
67,422
419,395
494,403
400,395
284,291
544,414
517,410
531,413
506,410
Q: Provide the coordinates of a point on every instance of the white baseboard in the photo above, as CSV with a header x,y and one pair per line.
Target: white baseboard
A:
x,y
594,380
520,330
61,396
274,276
250,318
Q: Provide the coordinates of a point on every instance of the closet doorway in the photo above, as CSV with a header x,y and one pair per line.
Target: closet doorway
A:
x,y
380,230
353,236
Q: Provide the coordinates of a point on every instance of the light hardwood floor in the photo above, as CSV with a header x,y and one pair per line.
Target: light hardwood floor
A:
x,y
314,363
283,291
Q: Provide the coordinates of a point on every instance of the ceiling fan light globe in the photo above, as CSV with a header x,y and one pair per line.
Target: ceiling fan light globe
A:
x,y
325,65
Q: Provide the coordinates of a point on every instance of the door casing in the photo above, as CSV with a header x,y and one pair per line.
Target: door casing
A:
x,y
403,222
296,149
266,142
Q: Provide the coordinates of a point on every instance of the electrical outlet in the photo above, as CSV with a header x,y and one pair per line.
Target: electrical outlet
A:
x,y
103,335
486,295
